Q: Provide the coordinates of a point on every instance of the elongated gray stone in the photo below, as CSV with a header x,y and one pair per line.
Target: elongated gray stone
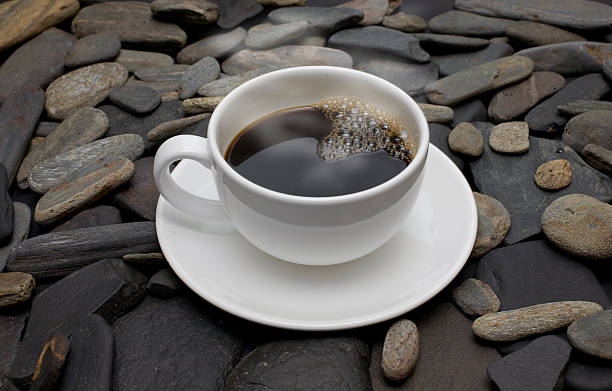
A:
x,y
452,63
411,78
223,86
170,72
465,23
200,73
267,35
323,20
569,57
577,14
136,59
538,34
527,321
286,56
100,47
55,170
60,253
476,80
82,127
450,42
436,113
582,106
21,228
217,46
168,129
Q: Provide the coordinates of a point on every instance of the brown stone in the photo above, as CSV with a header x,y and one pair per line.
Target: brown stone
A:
x,y
404,22
493,224
466,139
400,350
510,137
553,175
168,129
15,287
133,60
186,11
201,105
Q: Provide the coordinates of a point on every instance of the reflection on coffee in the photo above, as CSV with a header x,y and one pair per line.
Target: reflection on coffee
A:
x,y
338,146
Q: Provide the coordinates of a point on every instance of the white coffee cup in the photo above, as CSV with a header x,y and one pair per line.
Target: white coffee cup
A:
x,y
304,230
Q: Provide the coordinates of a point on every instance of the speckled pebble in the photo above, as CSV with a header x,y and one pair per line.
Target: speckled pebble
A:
x,y
510,137
400,350
553,175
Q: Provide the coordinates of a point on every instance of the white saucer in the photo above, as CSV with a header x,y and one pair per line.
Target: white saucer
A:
x,y
416,264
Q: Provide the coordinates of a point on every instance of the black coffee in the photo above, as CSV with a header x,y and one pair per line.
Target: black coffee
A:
x,y
339,146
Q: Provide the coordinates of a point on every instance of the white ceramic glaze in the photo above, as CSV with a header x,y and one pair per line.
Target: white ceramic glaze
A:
x,y
427,252
305,230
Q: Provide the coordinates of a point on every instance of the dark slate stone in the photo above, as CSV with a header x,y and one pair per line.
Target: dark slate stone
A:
x,y
108,288
545,118
44,128
60,253
18,117
447,42
411,78
6,384
92,217
36,63
438,136
536,367
536,272
164,284
452,63
6,209
198,352
135,99
304,364
21,228
12,322
234,12
470,111
381,39
51,362
323,20
518,192
100,47
585,374
89,365
140,195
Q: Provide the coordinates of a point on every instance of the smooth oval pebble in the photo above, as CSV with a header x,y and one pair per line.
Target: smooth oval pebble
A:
x,y
15,287
537,319
400,350
474,297
593,334
466,139
510,137
136,99
553,175
215,46
580,225
493,224
436,113
266,35
103,46
405,22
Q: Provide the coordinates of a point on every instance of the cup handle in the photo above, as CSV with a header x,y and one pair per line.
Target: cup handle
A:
x,y
186,147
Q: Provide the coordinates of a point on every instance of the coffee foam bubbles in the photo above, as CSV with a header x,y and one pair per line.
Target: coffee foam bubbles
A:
x,y
358,126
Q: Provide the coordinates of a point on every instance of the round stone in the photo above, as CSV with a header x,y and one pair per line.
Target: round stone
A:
x,y
510,137
553,175
580,225
474,297
466,139
400,350
591,334
493,224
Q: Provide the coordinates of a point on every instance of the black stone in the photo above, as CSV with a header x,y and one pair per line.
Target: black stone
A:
x,y
6,209
234,12
108,288
93,217
89,365
453,63
60,253
140,195
538,366
304,364
322,20
6,385
586,374
438,136
135,98
164,284
536,272
197,353
51,362
509,179
545,118
12,322
471,111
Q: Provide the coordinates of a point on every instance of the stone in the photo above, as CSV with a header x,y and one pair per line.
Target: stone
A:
x,y
411,78
527,321
199,106
591,127
470,111
536,272
21,228
164,88
577,107
373,10
510,137
478,79
606,67
60,253
89,363
574,14
50,362
322,20
100,47
453,63
598,157
493,224
6,385
135,99
445,42
380,39
580,225
234,12
510,103
405,22
171,72
199,351
591,334
83,87
266,35
54,171
538,366
218,45
569,57
18,117
44,128
82,190
12,322
466,139
309,364
281,3
436,113
223,86
83,126
133,60
400,350
92,217
466,23
134,24
588,375
15,288
164,284
285,56
140,195
202,72
438,136
544,118
6,208
312,40
36,62
108,288
147,259
553,175
20,20
474,297
537,34
172,128
186,11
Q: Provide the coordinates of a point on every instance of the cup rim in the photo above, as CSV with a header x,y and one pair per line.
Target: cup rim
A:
x,y
416,164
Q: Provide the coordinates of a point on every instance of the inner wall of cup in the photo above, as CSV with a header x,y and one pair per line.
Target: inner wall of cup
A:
x,y
304,86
